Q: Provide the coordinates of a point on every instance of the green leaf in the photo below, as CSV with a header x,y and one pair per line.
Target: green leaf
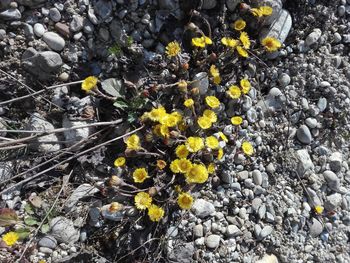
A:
x,y
45,228
29,209
30,221
8,217
132,117
120,104
23,233
113,87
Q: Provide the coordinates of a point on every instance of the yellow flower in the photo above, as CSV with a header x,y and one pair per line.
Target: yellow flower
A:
x,y
211,115
245,40
234,92
319,209
271,44
212,142
140,175
157,114
223,136
120,161
220,153
236,120
229,42
184,165
177,188
216,74
169,120
204,122
181,151
10,238
161,164
142,200
173,49
217,80
185,201
212,102
89,83
201,41
194,144
42,261
266,10
256,12
174,166
197,174
247,148
188,103
211,168
164,131
182,85
242,52
155,213
239,24
133,142
245,85
177,115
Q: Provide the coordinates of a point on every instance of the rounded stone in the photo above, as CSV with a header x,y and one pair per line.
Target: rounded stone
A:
x,y
54,41
48,241
39,30
55,14
212,241
304,135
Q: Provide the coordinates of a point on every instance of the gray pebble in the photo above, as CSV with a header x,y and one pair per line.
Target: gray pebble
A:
x,y
39,30
202,208
311,123
48,241
266,231
45,250
333,201
313,37
55,14
11,14
322,104
233,231
284,80
54,41
198,231
77,23
332,180
212,241
316,228
304,135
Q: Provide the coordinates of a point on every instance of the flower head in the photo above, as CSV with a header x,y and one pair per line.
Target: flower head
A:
x,y
133,142
140,175
204,122
188,103
142,200
174,166
161,164
182,85
242,52
201,41
194,144
220,154
211,168
197,174
155,213
157,114
266,10
181,151
212,142
10,238
216,74
256,12
239,24
319,209
212,102
245,40
120,161
184,165
229,42
173,49
223,136
89,83
234,92
211,115
245,85
185,201
247,148
236,120
169,120
271,44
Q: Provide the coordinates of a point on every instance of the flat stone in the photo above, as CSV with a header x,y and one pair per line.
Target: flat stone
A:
x,y
80,192
201,81
198,231
77,23
54,41
212,241
316,228
48,241
233,231
75,135
232,4
11,14
266,231
181,254
332,180
63,230
257,177
335,161
333,201
313,37
103,9
39,30
55,14
268,259
202,208
304,135
63,29
304,162
279,28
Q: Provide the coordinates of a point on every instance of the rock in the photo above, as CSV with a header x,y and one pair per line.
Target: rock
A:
x,y
54,14
209,4
333,201
242,175
284,80
11,14
335,161
198,231
63,230
304,163
48,241
54,41
257,177
201,81
30,3
212,241
311,123
266,231
28,31
202,208
304,135
77,23
316,228
38,123
118,32
103,9
63,29
4,4
232,4
44,64
39,30
252,115
279,28
233,231
274,100
75,135
322,104
332,180
181,254
167,4
268,259
80,192
313,37
45,250
2,34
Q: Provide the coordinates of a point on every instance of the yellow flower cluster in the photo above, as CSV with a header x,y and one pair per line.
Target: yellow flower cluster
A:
x,y
215,74
241,45
212,102
206,121
140,175
194,144
261,11
247,148
202,41
133,143
235,92
143,201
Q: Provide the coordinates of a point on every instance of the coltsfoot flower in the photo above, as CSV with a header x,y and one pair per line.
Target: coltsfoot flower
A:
x,y
234,92
201,41
211,115
236,120
161,164
204,122
184,165
212,142
198,174
120,161
239,24
89,83
133,142
245,40
155,213
229,42
181,151
185,201
194,144
188,103
212,102
271,44
245,85
242,52
247,148
140,175
142,200
173,49
10,238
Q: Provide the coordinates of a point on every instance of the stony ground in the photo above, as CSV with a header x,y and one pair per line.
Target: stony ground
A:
x,y
261,209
